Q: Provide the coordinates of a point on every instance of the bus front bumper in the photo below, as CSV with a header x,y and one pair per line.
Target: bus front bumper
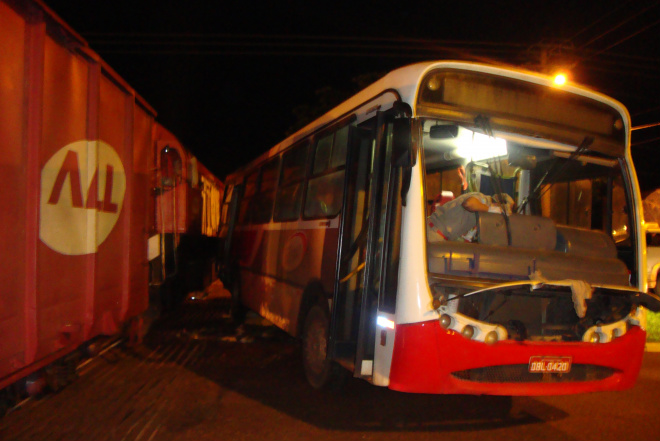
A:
x,y
430,359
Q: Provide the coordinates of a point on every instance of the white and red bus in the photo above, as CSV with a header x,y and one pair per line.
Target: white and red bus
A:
x,y
327,236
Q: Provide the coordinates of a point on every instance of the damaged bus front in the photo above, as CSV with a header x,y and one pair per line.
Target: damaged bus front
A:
x,y
534,241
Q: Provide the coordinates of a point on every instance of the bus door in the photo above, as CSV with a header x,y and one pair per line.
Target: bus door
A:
x,y
368,250
347,298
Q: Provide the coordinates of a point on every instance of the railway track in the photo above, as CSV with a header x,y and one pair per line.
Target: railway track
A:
x,y
161,386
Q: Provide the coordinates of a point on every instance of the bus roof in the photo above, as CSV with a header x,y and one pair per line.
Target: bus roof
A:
x,y
405,81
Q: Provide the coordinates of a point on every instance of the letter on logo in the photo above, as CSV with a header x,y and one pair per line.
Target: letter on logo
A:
x,y
69,168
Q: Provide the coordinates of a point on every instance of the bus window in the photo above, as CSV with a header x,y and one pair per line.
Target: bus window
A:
x,y
567,195
324,195
568,203
263,203
225,205
250,190
582,203
289,194
620,223
322,156
339,149
228,193
224,211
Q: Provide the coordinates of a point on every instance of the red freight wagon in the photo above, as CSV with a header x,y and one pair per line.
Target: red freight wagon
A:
x,y
92,190
187,215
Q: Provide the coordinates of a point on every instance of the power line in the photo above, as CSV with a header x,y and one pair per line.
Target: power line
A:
x,y
306,45
205,44
94,37
642,112
635,144
594,23
253,45
598,37
624,73
640,58
628,37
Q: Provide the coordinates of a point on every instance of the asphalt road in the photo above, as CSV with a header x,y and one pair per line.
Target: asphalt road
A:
x,y
197,377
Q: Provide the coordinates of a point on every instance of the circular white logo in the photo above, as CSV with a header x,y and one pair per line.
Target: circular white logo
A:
x,y
82,192
293,251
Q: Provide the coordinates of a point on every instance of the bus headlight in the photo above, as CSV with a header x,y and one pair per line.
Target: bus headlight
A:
x,y
491,338
470,328
468,331
445,321
606,333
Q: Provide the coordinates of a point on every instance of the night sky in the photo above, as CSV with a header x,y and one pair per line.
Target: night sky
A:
x,y
231,79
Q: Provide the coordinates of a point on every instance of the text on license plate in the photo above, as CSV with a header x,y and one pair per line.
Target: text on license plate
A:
x,y
542,365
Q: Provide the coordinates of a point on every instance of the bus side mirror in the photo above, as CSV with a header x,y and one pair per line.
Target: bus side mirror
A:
x,y
402,154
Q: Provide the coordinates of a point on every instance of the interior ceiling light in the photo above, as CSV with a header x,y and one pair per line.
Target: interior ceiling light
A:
x,y
478,147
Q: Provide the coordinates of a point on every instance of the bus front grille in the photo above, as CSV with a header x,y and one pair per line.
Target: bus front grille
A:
x,y
519,373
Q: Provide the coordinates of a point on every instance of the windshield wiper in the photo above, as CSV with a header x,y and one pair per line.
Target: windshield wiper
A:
x,y
554,172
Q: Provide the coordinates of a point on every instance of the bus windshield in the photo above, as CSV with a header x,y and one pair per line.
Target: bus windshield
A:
x,y
504,208
526,194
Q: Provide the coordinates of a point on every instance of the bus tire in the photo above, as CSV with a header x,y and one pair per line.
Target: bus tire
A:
x,y
236,308
318,369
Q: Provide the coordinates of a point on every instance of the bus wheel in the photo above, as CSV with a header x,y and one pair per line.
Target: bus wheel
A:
x,y
318,369
236,308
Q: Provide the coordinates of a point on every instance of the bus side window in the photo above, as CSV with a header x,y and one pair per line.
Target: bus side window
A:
x,y
225,204
322,154
224,211
263,202
289,193
326,188
324,195
338,158
250,190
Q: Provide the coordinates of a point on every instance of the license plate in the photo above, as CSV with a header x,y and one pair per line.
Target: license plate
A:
x,y
545,365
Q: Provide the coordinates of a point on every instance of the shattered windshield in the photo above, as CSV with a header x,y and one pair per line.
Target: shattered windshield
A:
x,y
507,190
502,207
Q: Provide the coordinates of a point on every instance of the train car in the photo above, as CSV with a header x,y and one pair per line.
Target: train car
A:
x,y
183,249
102,207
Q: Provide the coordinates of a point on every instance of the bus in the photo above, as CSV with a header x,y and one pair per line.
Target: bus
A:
x,y
330,235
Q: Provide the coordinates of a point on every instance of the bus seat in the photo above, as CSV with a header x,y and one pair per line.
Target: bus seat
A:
x,y
533,232
585,242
